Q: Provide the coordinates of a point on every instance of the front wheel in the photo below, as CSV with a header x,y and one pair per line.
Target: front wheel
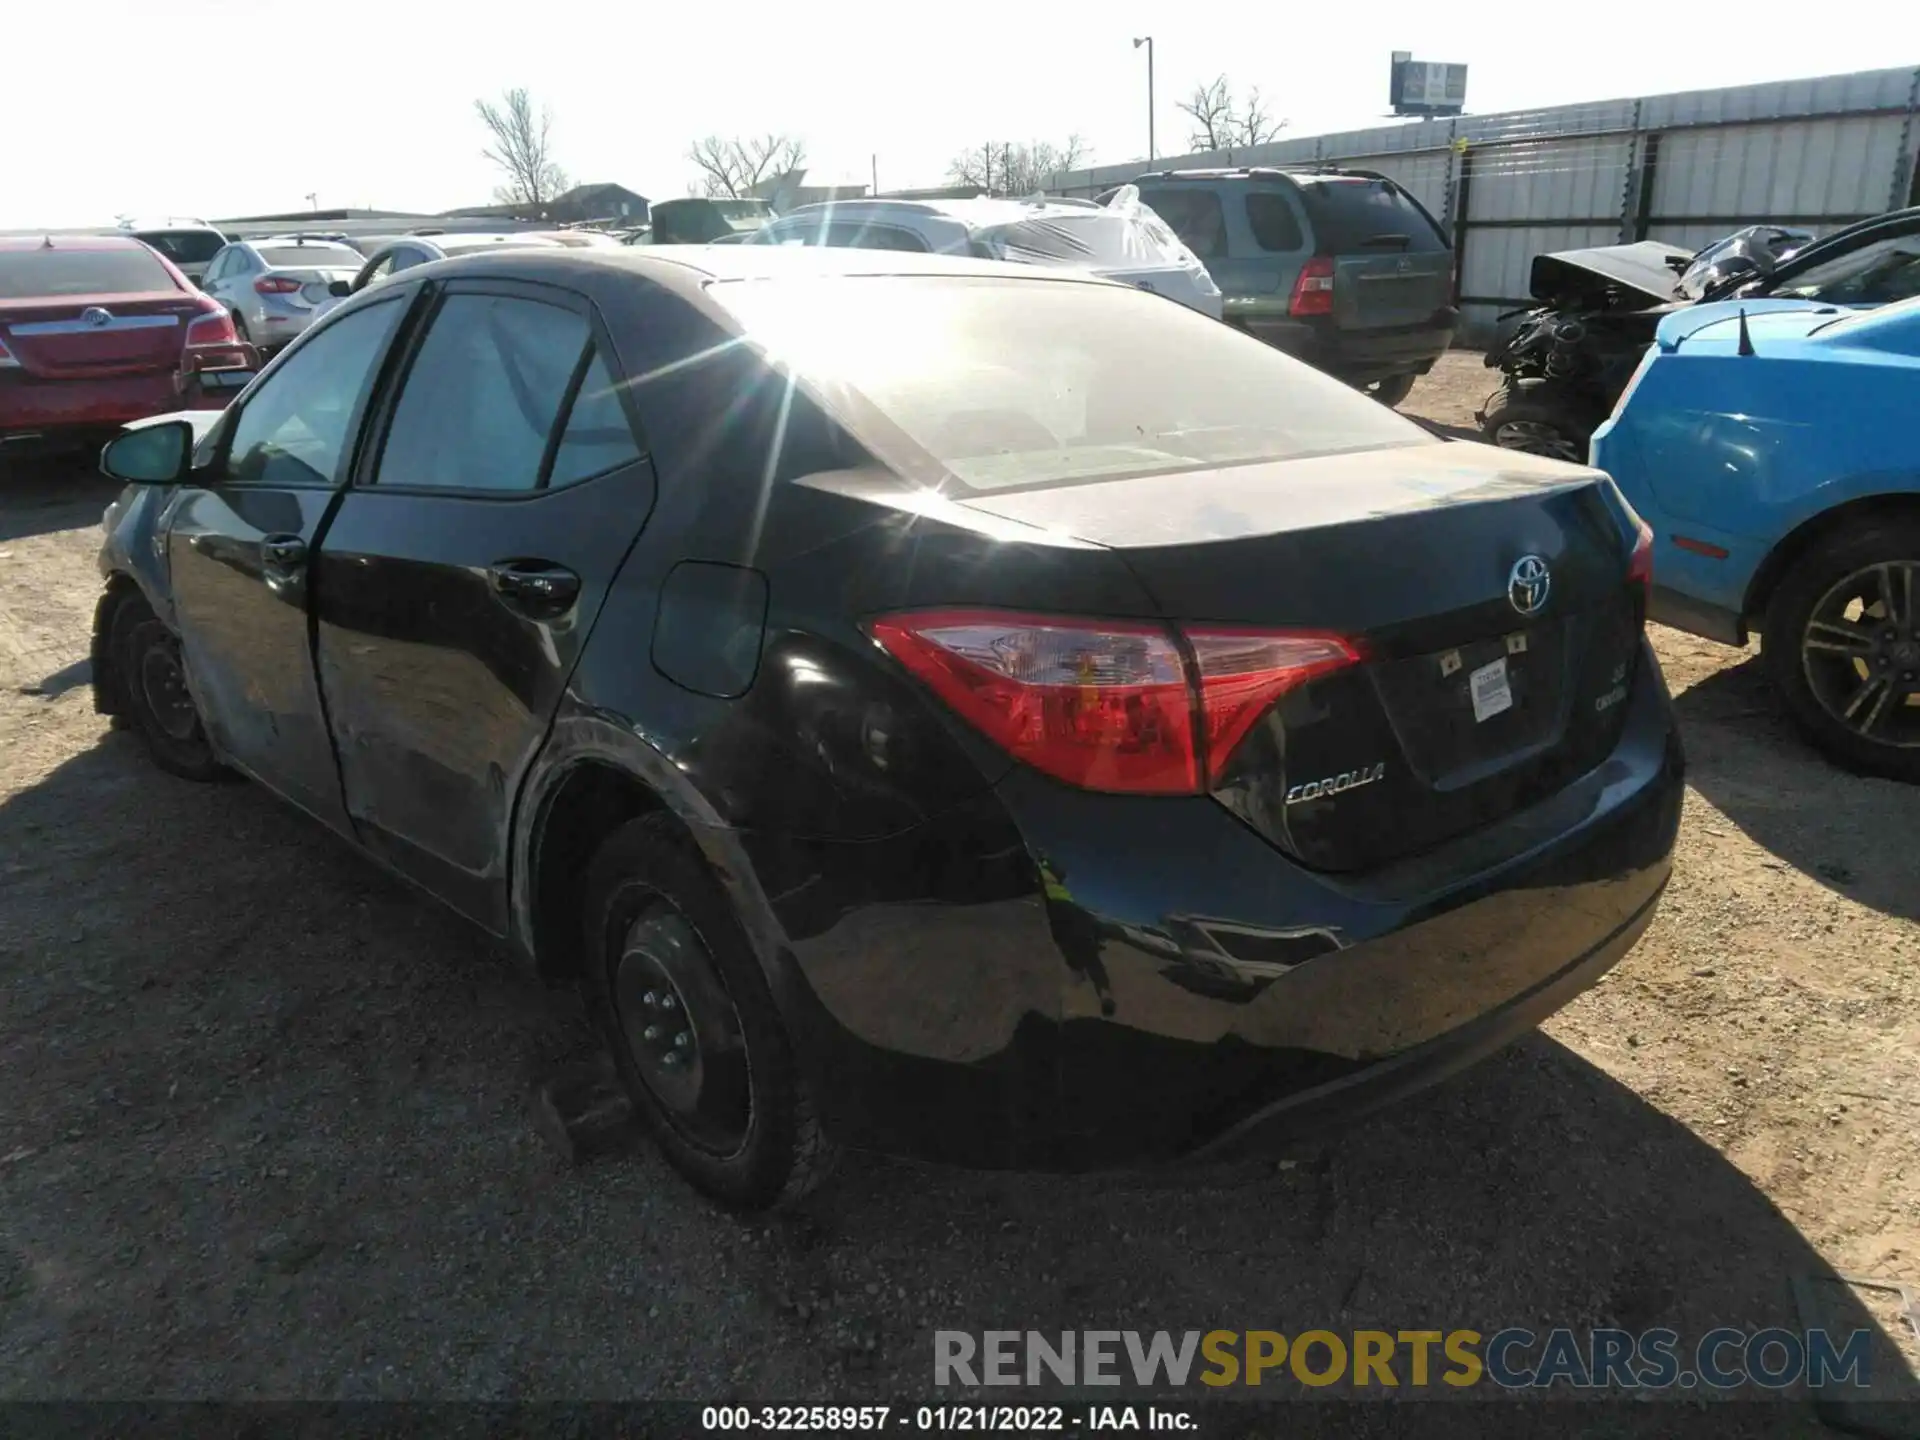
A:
x,y
679,998
1842,644
1537,425
153,682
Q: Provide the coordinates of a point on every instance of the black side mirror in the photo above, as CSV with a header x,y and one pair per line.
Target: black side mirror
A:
x,y
340,289
151,455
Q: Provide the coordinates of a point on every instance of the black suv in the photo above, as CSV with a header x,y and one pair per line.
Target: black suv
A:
x,y
1343,268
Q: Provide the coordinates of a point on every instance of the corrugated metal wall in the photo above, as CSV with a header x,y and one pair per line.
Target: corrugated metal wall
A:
x,y
1686,169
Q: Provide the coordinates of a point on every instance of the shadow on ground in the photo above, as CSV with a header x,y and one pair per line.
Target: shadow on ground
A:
x,y
267,1136
1857,834
38,497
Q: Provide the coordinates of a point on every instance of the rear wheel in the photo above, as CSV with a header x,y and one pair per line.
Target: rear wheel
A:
x,y
1842,644
1393,389
153,683
681,1002
1537,425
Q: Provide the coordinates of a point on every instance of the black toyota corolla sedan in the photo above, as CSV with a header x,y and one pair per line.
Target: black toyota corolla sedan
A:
x,y
947,708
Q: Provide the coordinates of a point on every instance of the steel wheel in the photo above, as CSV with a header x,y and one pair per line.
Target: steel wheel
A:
x,y
682,1031
1860,651
163,684
1536,437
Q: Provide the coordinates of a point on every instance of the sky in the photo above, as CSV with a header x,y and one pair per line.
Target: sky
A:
x,y
220,108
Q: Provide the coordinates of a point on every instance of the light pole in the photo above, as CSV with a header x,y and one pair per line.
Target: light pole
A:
x,y
1138,41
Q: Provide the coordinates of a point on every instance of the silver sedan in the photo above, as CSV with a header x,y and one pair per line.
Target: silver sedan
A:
x,y
274,288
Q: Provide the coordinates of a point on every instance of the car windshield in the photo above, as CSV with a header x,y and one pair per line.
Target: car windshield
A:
x,y
1877,274
184,247
324,255
30,274
1021,383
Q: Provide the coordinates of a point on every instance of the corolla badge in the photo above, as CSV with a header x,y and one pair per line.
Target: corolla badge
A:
x,y
96,317
1528,583
1337,784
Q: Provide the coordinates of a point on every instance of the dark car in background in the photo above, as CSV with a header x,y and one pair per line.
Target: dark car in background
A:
x,y
1344,269
927,704
97,330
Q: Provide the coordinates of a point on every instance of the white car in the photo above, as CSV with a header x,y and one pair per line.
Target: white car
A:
x,y
406,251
276,286
1123,240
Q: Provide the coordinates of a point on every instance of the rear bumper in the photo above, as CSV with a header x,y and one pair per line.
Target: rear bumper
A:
x,y
83,406
1197,991
1356,355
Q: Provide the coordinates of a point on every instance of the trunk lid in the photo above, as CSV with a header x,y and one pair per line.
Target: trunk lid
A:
x,y
81,336
1379,290
1412,552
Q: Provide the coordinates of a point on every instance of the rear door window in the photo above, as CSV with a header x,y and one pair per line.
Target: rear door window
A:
x,y
482,395
1354,214
43,273
1195,215
1275,227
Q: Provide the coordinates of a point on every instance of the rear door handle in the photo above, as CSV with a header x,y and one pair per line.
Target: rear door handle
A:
x,y
538,589
283,552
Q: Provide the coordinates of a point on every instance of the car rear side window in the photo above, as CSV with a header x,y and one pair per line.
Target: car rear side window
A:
x,y
294,429
1275,227
1352,215
294,257
597,438
31,274
1195,215
482,396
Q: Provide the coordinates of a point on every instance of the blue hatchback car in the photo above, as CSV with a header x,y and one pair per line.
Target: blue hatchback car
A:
x,y
1774,448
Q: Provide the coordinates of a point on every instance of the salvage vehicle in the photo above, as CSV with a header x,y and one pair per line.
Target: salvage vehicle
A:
x,y
96,330
1566,362
1122,240
926,704
1773,454
274,287
1342,268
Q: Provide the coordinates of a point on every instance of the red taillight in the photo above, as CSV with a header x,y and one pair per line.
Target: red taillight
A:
x,y
213,328
276,285
1640,567
1313,291
1106,704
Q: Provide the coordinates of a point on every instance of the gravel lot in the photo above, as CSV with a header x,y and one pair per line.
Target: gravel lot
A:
x,y
267,1127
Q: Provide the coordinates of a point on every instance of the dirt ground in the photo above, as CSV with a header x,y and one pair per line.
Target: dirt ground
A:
x,y
266,1127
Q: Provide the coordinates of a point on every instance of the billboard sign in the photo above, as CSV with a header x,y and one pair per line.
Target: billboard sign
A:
x,y
1425,87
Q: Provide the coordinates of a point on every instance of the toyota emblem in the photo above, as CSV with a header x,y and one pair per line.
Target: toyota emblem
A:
x,y
96,317
1528,583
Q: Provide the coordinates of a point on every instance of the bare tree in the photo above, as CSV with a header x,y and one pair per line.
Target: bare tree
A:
x,y
1253,123
1211,107
734,167
522,149
1221,122
1006,168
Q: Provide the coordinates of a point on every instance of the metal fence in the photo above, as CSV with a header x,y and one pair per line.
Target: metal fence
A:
x,y
1685,169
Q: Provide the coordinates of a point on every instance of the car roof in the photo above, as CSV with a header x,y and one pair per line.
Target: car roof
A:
x,y
58,241
975,214
688,268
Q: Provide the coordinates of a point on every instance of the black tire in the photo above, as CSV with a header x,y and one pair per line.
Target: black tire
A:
x,y
1823,675
1392,390
152,679
649,880
1538,425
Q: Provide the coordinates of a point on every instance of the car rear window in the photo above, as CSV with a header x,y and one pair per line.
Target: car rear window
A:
x,y
1091,239
1010,383
30,274
1352,214
338,257
184,247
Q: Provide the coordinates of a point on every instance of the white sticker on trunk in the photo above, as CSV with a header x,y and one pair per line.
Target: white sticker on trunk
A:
x,y
1491,693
